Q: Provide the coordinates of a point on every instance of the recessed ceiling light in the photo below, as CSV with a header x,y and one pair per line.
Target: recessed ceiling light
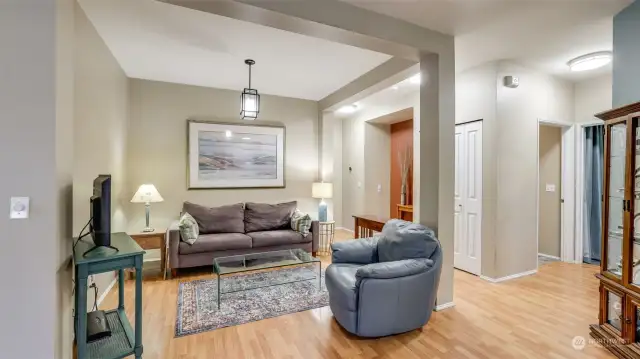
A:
x,y
246,138
227,133
348,108
395,87
415,79
590,61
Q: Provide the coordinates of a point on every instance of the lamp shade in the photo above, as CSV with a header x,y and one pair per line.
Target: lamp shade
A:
x,y
147,193
322,190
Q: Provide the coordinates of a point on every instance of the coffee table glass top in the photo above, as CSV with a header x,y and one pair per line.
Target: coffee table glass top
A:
x,y
255,261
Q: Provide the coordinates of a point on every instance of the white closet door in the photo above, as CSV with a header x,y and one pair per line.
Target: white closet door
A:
x,y
468,197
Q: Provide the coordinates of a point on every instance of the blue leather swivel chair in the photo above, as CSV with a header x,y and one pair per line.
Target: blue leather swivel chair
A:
x,y
386,284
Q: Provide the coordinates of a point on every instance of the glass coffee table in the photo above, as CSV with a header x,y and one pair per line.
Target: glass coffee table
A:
x,y
266,260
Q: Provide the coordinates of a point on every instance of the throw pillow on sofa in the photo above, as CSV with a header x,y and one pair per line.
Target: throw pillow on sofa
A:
x,y
188,228
260,217
301,222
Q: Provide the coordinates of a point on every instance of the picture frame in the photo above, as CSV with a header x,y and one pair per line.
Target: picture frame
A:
x,y
227,155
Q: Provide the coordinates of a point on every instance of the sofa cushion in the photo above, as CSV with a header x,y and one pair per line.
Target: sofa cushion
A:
x,y
265,217
224,219
277,238
340,279
406,240
216,242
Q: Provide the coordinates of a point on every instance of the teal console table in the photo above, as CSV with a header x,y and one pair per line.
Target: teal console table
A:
x,y
123,341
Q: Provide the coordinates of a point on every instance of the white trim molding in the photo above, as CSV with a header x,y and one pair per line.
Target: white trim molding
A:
x,y
344,229
509,277
106,291
548,256
444,306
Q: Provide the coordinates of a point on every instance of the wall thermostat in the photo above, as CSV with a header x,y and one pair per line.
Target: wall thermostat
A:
x,y
511,81
19,208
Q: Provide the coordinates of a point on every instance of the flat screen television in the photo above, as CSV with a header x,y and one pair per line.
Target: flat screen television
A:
x,y
101,211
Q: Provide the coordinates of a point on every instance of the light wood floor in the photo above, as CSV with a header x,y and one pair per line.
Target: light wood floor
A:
x,y
532,317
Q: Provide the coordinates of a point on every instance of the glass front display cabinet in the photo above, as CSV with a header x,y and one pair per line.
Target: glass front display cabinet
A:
x,y
618,328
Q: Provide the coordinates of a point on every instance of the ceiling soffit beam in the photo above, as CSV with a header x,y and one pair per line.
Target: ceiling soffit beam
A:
x,y
361,21
385,75
334,21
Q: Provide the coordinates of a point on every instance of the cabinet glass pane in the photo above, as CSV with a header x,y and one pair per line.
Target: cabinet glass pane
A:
x,y
637,324
635,273
617,156
614,311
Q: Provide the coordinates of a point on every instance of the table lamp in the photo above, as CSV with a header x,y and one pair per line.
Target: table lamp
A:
x,y
322,190
147,193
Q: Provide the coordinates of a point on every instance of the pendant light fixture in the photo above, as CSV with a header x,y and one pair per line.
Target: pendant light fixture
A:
x,y
250,99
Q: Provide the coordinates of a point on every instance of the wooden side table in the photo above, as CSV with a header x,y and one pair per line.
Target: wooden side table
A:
x,y
124,341
366,225
327,232
153,240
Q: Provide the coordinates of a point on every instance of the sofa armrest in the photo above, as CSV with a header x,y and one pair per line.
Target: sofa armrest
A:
x,y
315,236
361,251
395,269
173,242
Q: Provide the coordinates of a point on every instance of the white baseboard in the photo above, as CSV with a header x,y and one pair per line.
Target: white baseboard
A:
x,y
509,277
548,256
344,229
106,291
445,306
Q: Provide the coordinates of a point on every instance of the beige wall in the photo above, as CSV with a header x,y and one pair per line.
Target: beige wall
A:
x,y
549,202
476,98
100,133
377,166
36,107
592,96
65,74
539,96
331,170
157,147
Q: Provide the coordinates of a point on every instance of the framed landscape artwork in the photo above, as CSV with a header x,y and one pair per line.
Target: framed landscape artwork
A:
x,y
231,155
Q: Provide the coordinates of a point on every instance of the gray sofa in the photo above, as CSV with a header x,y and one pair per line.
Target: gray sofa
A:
x,y
237,229
387,284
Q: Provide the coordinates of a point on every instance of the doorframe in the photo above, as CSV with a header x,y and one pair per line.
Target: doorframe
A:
x,y
580,194
568,189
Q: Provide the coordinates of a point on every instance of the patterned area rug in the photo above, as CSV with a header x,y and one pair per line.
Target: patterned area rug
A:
x,y
198,307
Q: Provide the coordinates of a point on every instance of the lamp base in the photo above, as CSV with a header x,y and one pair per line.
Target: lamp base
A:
x,y
148,229
322,212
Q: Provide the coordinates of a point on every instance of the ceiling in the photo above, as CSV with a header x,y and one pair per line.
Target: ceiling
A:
x,y
542,34
162,42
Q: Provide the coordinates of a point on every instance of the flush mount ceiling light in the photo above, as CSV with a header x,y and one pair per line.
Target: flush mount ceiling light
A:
x,y
348,108
250,99
590,61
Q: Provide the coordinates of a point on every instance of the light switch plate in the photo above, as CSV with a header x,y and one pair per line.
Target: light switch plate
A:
x,y
550,187
19,208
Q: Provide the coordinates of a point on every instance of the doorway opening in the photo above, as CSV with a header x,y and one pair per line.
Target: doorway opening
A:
x,y
589,183
556,192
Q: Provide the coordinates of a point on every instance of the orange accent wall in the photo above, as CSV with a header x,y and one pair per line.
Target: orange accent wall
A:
x,y
401,136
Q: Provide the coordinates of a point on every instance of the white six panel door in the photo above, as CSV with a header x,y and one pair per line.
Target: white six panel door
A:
x,y
468,197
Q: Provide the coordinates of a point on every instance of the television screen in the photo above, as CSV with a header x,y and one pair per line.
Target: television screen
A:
x,y
101,211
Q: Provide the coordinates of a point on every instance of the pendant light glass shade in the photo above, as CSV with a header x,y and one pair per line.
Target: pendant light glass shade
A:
x,y
250,99
250,104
